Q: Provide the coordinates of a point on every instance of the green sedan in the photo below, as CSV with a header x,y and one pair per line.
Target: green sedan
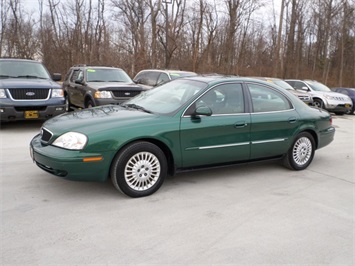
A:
x,y
186,124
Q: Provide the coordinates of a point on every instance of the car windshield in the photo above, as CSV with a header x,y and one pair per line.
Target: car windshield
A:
x,y
318,86
107,75
22,69
166,98
283,84
175,75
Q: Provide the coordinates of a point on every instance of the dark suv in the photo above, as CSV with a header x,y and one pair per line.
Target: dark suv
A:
x,y
28,91
87,86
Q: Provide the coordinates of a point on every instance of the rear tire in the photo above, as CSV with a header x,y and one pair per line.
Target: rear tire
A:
x,y
139,169
301,153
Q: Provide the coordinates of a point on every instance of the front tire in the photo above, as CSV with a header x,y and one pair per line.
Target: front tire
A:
x,y
139,169
319,103
68,107
89,104
301,153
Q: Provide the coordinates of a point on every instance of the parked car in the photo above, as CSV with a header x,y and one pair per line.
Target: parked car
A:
x,y
350,92
149,78
304,96
28,91
323,97
185,124
87,86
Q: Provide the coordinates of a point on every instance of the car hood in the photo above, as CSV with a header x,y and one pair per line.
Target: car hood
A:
x,y
298,93
113,85
97,119
28,83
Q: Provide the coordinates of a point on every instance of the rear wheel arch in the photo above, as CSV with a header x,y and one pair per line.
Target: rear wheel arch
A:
x,y
314,135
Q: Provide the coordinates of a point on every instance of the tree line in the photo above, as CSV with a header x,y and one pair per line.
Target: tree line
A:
x,y
305,39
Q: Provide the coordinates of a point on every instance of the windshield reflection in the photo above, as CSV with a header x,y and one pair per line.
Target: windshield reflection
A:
x,y
167,98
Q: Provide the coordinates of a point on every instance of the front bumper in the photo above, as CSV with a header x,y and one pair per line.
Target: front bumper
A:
x,y
108,101
69,164
11,113
336,106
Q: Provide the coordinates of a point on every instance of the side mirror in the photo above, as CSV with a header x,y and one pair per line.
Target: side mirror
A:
x,y
79,81
304,89
56,76
203,110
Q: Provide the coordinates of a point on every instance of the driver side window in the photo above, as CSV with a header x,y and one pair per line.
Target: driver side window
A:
x,y
222,100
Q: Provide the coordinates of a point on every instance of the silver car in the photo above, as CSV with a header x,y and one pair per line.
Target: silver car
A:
x,y
302,95
323,97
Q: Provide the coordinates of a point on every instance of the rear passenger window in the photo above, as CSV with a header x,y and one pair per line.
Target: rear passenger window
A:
x,y
265,99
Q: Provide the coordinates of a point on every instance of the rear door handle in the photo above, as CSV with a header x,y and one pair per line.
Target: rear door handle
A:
x,y
292,120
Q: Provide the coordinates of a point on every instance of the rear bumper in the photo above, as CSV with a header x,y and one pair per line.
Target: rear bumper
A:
x,y
326,137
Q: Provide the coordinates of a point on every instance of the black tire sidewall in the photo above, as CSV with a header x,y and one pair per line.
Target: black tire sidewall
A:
x,y
121,159
319,103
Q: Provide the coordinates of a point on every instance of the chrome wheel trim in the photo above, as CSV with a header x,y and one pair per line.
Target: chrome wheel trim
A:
x,y
302,151
142,171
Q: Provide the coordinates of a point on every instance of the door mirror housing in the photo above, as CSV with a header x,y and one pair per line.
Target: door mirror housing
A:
x,y
203,110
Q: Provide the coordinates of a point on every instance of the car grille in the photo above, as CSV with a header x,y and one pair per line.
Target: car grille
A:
x,y
29,94
340,98
45,134
125,94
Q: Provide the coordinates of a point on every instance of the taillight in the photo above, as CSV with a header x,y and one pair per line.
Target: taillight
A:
x,y
331,120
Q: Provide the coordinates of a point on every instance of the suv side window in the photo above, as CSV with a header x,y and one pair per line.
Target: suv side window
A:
x,y
163,78
77,74
299,85
151,78
265,99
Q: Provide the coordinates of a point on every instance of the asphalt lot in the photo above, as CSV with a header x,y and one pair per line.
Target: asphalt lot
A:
x,y
243,215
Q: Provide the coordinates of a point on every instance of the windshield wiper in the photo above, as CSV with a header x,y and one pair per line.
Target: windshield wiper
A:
x,y
30,77
134,106
96,80
6,76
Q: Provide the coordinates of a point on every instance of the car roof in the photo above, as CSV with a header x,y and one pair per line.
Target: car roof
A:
x,y
19,60
266,78
165,70
94,66
225,78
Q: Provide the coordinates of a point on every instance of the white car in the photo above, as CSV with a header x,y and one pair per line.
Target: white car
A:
x,y
323,97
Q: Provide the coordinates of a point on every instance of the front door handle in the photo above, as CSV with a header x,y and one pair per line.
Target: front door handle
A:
x,y
240,124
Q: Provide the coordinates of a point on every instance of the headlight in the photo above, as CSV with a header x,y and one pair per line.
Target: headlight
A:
x,y
102,95
2,94
57,93
71,141
329,97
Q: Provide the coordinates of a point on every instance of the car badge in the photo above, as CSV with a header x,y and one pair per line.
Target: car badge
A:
x,y
30,93
127,93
